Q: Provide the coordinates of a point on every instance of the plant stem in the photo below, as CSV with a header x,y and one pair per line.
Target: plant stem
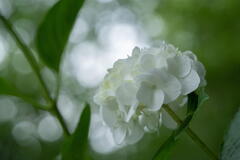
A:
x,y
191,134
32,102
56,110
33,63
57,113
28,54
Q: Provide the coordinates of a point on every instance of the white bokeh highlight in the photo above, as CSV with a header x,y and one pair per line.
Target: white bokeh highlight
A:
x,y
8,110
3,49
49,129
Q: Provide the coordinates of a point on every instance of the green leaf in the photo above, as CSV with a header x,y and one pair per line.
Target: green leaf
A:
x,y
76,146
202,96
231,146
53,33
163,152
196,99
6,88
192,103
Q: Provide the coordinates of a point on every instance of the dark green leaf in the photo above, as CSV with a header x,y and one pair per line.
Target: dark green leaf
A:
x,y
231,146
192,103
76,146
53,33
196,99
202,96
6,88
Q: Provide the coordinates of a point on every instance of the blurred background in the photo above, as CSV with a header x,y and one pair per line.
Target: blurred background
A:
x,y
105,31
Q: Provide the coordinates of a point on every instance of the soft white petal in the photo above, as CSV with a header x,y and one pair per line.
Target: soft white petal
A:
x,y
179,65
190,55
179,102
136,51
151,121
161,61
198,66
100,136
158,98
109,111
147,62
200,69
131,112
167,82
190,82
145,94
135,133
119,133
126,93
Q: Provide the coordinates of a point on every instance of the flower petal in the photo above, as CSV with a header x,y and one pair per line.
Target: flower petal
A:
x,y
190,55
135,133
145,94
147,62
158,98
136,51
190,82
109,111
179,65
126,93
200,69
119,133
179,102
131,112
168,83
151,121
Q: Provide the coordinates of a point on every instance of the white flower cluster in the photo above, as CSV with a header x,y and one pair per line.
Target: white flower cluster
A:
x,y
132,93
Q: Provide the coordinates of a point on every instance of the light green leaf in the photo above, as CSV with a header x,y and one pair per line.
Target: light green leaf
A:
x,y
53,33
231,146
76,146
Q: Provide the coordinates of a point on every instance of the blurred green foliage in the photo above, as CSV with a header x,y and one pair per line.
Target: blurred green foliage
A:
x,y
53,33
209,29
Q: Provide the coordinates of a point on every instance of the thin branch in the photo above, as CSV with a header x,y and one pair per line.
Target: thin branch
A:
x,y
33,63
191,134
28,54
58,115
33,103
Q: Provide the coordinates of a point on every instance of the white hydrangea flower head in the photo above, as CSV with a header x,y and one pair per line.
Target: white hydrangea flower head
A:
x,y
134,90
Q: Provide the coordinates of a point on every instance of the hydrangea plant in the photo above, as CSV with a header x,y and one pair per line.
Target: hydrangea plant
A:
x,y
135,89
138,94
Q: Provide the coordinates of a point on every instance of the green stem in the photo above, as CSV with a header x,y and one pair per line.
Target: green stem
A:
x,y
58,115
28,54
33,63
30,101
33,103
191,134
